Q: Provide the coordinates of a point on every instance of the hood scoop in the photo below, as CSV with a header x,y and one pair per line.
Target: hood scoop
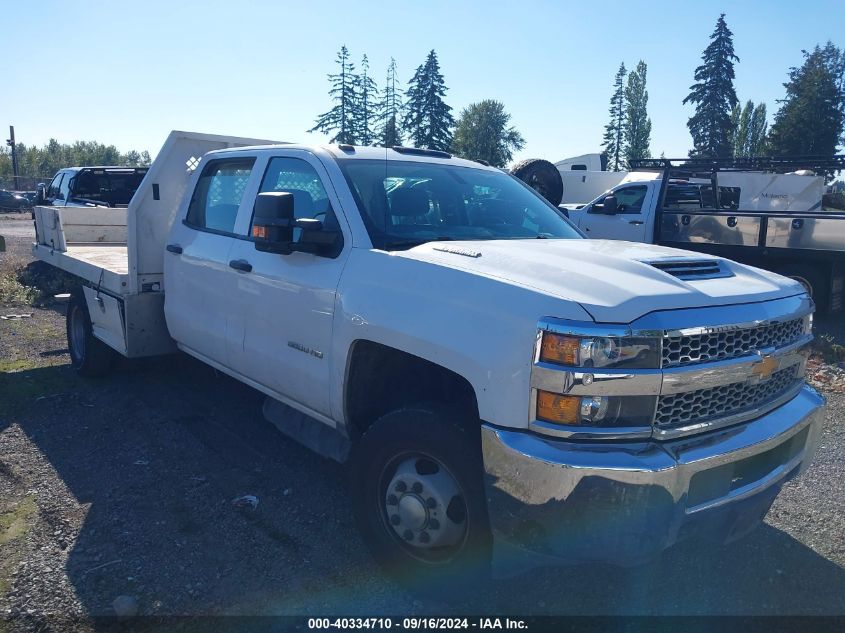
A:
x,y
691,269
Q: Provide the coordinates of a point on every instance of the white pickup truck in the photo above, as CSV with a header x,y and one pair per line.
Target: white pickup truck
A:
x,y
497,383
750,212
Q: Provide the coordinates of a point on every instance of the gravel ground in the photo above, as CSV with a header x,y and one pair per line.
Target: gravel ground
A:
x,y
122,488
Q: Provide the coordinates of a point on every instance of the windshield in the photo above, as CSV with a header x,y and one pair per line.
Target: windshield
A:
x,y
410,203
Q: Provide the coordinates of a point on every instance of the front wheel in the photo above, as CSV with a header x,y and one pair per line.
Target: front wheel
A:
x,y
88,355
418,496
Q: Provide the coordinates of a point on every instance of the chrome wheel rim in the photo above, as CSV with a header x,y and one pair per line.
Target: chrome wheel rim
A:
x,y
423,508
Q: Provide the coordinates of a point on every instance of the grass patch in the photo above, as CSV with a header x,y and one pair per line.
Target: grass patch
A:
x,y
15,523
10,366
12,291
32,284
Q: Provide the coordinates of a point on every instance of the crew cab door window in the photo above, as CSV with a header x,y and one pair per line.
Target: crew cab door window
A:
x,y
299,178
218,194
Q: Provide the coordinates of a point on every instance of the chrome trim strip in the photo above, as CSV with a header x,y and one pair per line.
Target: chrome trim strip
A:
x,y
729,371
580,382
590,432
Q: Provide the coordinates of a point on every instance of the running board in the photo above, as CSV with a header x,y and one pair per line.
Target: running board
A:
x,y
311,433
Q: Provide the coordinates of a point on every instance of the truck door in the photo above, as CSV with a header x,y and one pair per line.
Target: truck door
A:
x,y
631,217
287,301
200,283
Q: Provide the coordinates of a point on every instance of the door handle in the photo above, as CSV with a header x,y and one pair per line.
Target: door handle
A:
x,y
174,248
635,222
241,264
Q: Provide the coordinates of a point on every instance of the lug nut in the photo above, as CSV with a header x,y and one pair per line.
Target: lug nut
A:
x,y
408,535
431,502
424,537
416,488
434,524
401,486
392,500
394,519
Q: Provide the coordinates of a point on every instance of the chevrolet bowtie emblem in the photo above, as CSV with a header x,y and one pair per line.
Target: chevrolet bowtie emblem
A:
x,y
765,367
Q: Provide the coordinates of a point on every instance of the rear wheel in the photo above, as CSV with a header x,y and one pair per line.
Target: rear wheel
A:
x,y
419,499
88,355
541,176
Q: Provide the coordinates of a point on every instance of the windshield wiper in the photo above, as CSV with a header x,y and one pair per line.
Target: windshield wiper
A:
x,y
399,244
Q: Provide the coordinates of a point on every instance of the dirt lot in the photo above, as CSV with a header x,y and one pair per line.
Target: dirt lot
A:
x,y
123,487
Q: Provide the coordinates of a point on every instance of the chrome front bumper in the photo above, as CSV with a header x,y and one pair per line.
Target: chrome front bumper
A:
x,y
554,500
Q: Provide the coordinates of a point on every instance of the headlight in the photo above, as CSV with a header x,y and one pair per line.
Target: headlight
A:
x,y
606,352
595,411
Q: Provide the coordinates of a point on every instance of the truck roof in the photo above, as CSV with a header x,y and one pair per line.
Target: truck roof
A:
x,y
107,167
363,153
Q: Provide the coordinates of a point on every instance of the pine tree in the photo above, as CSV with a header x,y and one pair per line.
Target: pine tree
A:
x,y
390,109
614,139
483,133
637,129
364,114
428,120
342,92
714,96
810,119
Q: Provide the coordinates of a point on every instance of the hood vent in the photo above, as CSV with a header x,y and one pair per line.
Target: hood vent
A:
x,y
690,269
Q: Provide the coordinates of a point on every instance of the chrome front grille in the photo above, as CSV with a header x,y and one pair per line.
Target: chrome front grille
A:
x,y
701,348
703,405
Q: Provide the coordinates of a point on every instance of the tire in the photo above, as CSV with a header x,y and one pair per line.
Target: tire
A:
x,y
541,176
89,356
421,462
813,279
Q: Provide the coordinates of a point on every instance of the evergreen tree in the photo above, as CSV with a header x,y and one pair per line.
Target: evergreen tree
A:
x,y
637,130
340,118
810,119
614,138
714,96
366,101
757,145
428,120
483,133
749,130
390,109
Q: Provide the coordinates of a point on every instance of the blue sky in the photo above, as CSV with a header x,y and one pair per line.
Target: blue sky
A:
x,y
128,72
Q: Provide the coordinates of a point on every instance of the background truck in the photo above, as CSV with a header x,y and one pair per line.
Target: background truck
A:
x,y
496,383
749,211
92,187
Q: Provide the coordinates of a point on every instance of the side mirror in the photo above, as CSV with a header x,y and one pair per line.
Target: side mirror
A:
x,y
610,205
272,222
273,225
40,198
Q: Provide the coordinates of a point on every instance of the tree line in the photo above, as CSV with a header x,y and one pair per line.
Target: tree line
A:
x,y
43,162
810,119
364,114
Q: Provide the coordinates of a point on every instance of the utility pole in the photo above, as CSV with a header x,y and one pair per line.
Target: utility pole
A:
x,y
11,143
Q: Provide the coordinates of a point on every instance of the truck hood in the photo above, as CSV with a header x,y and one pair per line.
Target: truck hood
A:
x,y
614,281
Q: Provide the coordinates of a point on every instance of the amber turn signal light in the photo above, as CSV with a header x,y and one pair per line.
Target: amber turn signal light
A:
x,y
560,349
553,407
